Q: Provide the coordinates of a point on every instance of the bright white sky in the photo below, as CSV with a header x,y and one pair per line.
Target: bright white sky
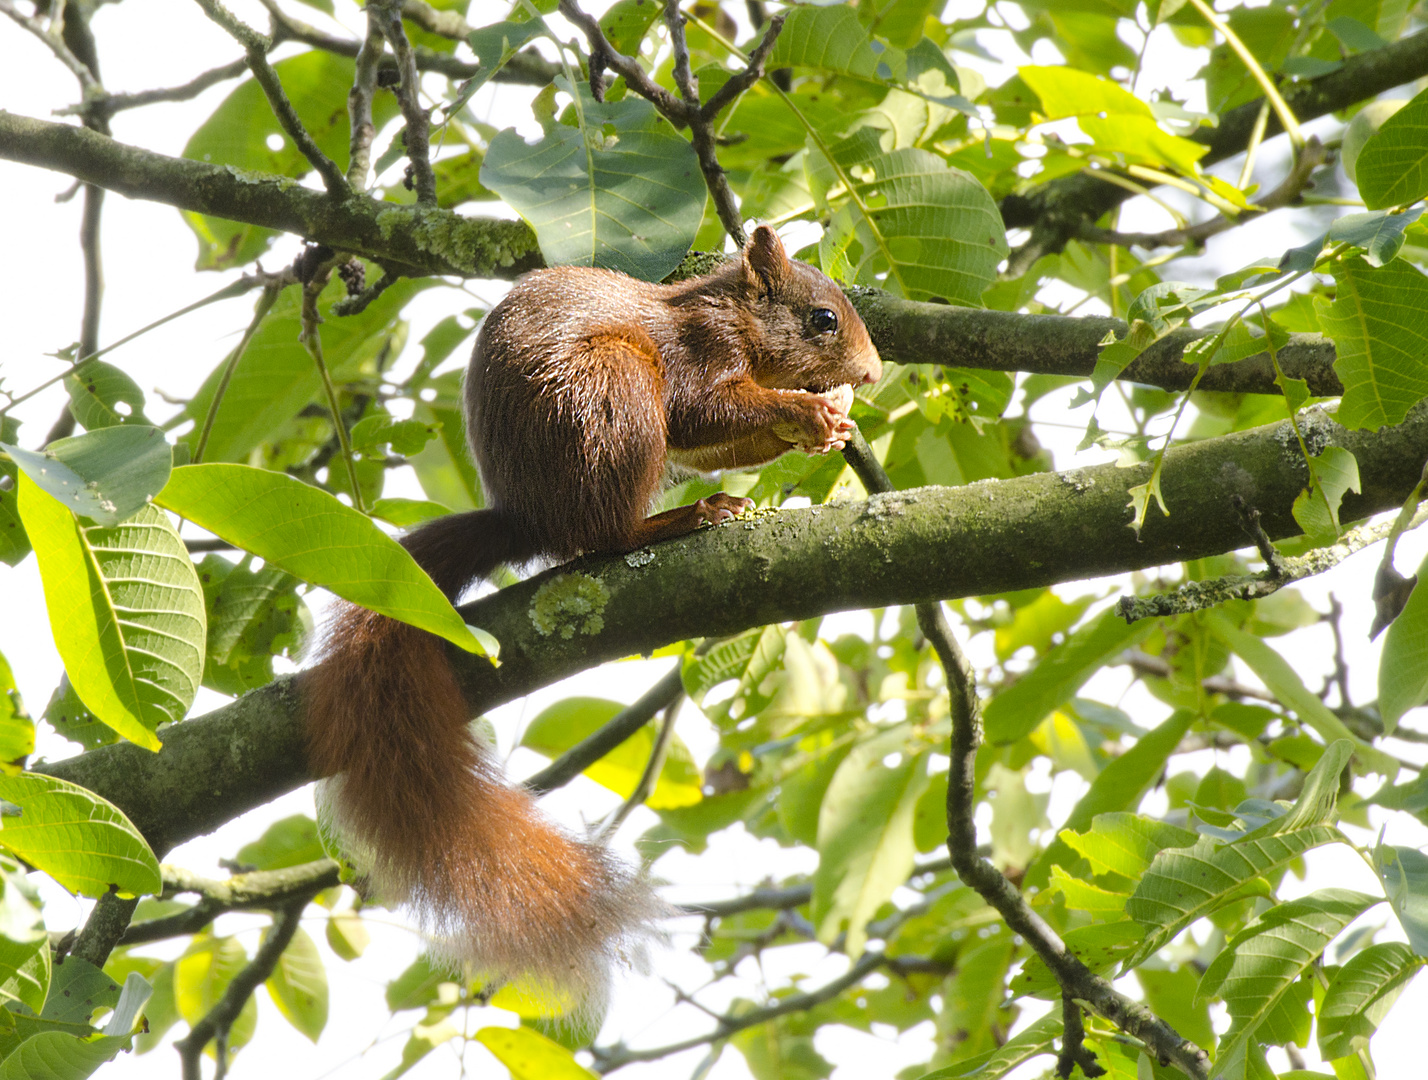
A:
x,y
148,256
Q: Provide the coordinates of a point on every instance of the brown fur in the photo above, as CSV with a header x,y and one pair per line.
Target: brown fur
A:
x,y
583,384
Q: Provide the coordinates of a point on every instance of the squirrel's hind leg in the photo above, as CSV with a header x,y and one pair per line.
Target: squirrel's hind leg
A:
x,y
713,509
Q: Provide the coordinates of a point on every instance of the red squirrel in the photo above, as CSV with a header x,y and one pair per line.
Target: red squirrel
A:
x,y
583,386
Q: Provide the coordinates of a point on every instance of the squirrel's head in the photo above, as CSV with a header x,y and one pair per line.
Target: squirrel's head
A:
x,y
811,337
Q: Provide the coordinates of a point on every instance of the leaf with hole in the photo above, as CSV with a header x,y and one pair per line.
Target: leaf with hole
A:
x,y
242,133
105,475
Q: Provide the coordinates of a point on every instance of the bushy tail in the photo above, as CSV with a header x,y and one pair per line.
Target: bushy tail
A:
x,y
427,814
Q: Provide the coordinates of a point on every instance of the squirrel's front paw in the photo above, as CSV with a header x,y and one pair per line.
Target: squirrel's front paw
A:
x,y
825,425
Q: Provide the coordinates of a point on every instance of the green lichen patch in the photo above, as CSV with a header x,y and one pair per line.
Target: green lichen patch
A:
x,y
570,604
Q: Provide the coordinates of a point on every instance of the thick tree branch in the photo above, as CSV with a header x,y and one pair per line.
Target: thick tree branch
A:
x,y
1058,210
433,241
424,239
903,548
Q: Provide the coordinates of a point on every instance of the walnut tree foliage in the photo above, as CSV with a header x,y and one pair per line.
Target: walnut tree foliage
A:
x,y
1226,281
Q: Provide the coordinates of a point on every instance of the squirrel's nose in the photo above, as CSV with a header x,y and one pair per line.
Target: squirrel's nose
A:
x,y
874,370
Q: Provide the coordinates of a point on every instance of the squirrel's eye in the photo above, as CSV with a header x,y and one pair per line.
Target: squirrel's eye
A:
x,y
823,320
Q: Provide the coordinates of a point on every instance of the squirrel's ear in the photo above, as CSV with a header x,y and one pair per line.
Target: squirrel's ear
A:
x,y
765,261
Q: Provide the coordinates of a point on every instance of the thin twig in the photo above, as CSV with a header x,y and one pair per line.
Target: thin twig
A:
x,y
245,284
1287,193
355,305
648,778
1249,519
54,41
608,1059
312,339
219,1021
619,728
260,311
387,16
1199,595
359,103
255,47
107,105
1159,667
1073,1043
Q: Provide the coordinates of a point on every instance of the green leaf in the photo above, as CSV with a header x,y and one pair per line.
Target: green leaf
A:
x,y
313,536
622,190
1260,963
865,841
1126,844
750,658
1379,233
79,989
14,543
79,839
825,39
1404,872
567,722
101,395
531,1056
404,513
1361,995
239,131
24,944
1403,667
276,377
1378,321
347,935
55,1055
994,1064
289,842
126,610
406,437
298,986
1141,141
105,475
1392,167
627,22
1119,786
1064,91
1317,508
912,225
1289,689
203,973
1018,709
1184,884
494,46
17,730
252,617
73,719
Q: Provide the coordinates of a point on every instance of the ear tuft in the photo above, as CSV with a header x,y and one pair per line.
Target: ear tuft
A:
x,y
765,261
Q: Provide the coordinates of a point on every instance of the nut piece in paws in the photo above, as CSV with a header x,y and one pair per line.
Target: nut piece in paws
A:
x,y
832,423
